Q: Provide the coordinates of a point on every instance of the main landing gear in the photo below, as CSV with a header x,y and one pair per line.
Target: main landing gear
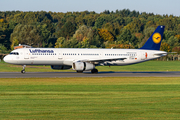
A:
x,y
23,70
78,71
94,71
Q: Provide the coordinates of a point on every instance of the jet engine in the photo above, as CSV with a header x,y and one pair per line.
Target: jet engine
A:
x,y
83,66
60,67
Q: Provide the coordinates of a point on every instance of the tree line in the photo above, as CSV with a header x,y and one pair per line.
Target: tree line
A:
x,y
119,29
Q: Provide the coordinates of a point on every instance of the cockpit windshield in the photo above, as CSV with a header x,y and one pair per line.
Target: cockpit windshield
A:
x,y
14,53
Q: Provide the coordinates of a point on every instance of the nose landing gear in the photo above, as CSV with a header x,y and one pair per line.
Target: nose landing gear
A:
x,y
23,70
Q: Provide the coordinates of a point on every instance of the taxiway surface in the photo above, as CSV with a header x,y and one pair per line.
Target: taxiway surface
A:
x,y
87,74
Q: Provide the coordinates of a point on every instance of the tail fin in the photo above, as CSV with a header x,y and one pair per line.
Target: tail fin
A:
x,y
154,42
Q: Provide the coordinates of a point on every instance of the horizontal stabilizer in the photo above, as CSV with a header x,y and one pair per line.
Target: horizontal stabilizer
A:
x,y
160,53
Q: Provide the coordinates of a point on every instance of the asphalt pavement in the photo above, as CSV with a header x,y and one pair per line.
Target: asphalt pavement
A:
x,y
87,74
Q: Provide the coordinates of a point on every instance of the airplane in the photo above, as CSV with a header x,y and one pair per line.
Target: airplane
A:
x,y
86,59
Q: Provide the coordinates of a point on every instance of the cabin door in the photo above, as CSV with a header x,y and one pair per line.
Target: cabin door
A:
x,y
60,55
26,54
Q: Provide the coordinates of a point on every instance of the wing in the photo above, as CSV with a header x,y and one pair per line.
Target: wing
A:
x,y
101,60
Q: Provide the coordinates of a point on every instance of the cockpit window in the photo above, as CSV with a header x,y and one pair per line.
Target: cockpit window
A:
x,y
14,53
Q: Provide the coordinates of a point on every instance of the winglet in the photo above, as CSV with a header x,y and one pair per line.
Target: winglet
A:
x,y
154,42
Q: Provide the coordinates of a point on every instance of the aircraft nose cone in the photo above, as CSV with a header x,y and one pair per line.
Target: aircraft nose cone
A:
x,y
6,59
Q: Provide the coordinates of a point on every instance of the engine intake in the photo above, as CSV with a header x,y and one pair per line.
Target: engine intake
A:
x,y
83,66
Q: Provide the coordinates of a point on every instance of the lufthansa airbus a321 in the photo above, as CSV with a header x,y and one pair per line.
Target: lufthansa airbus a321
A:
x,y
87,59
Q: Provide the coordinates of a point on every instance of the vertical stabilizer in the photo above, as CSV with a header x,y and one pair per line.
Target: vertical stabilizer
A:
x,y
154,42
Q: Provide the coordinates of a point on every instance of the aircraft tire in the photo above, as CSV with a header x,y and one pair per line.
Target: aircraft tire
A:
x,y
23,71
79,71
94,71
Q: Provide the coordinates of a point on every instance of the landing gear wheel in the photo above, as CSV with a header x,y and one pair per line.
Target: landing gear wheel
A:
x,y
23,71
79,71
94,71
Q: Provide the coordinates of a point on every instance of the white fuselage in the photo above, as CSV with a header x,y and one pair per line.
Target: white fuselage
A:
x,y
67,56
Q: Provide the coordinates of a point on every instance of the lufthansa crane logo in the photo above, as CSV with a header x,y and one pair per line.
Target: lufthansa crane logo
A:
x,y
156,38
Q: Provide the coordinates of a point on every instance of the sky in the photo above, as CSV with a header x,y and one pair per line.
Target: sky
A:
x,y
162,7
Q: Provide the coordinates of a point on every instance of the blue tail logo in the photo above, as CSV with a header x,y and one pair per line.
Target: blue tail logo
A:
x,y
154,42
156,38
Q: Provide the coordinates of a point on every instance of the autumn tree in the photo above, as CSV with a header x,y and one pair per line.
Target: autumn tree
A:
x,y
50,26
5,32
165,47
89,20
168,34
67,30
170,23
26,34
103,19
135,26
173,41
149,31
111,28
176,49
85,43
83,32
63,43
3,49
127,38
99,22
105,35
59,43
178,37
46,33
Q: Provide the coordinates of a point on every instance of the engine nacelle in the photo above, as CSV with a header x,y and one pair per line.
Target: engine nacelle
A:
x,y
83,66
60,67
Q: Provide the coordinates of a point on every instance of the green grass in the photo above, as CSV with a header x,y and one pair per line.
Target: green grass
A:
x,y
90,98
145,66
5,67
